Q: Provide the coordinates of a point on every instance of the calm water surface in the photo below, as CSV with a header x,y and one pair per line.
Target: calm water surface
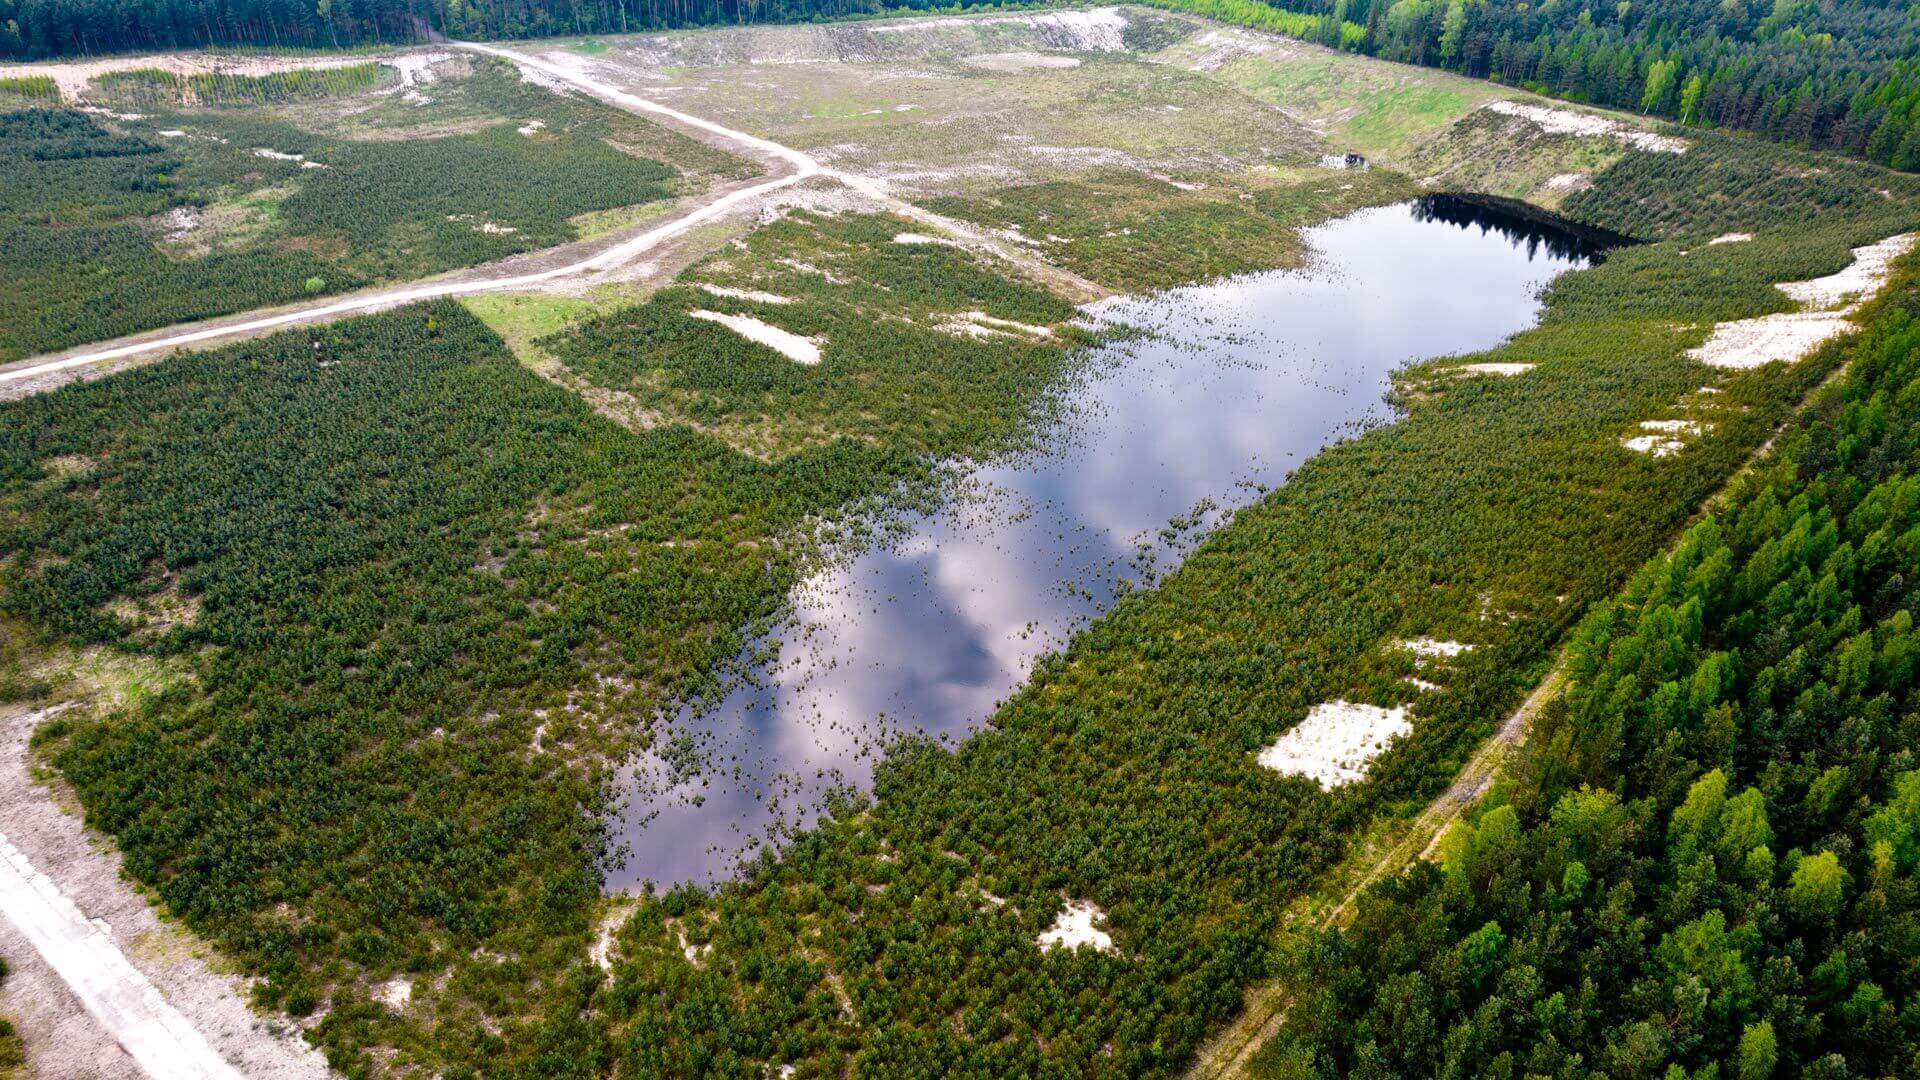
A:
x,y
1238,382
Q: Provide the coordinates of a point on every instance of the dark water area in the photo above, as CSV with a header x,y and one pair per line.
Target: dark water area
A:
x,y
1522,225
1233,385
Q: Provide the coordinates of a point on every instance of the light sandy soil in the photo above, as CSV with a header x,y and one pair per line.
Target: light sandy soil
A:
x,y
754,295
1494,369
800,350
101,986
1076,925
1568,122
1335,742
1828,305
73,76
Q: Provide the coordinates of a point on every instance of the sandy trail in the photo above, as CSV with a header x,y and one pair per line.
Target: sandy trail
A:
x,y
788,166
101,987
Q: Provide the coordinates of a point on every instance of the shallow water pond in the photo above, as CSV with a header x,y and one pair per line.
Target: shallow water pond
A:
x,y
1234,384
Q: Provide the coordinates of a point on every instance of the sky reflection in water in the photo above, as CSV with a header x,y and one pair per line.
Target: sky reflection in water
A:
x,y
1241,381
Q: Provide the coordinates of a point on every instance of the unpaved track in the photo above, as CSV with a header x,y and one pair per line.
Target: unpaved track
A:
x,y
100,987
787,167
1229,1052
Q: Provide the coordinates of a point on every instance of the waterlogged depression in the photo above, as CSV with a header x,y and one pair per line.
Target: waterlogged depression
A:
x,y
1231,386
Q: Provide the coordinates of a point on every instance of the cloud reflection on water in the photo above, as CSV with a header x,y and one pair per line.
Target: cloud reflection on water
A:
x,y
1240,381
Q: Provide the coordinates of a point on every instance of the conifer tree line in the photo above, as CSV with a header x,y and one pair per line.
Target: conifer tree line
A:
x,y
1839,75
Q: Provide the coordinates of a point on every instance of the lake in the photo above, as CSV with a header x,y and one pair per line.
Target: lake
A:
x,y
1232,385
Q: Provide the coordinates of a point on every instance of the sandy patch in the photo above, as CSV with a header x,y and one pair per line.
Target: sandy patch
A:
x,y
277,155
484,226
979,324
1568,122
1790,336
798,349
395,993
1664,437
1731,238
1495,369
1075,927
73,76
416,68
1657,445
531,126
922,238
1333,745
1569,181
754,295
1426,648
1863,276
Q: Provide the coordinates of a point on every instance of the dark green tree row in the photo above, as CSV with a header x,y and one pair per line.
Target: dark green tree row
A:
x,y
1708,862
1841,75
34,29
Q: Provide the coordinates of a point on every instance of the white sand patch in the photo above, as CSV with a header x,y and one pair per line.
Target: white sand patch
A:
x,y
1657,445
1495,369
531,126
1569,181
73,76
181,221
1731,238
276,155
979,324
1664,437
1790,336
754,295
395,993
1749,343
1863,276
922,238
1336,741
416,68
173,133
117,995
483,226
1426,648
1568,122
95,110
799,349
1420,684
1075,927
